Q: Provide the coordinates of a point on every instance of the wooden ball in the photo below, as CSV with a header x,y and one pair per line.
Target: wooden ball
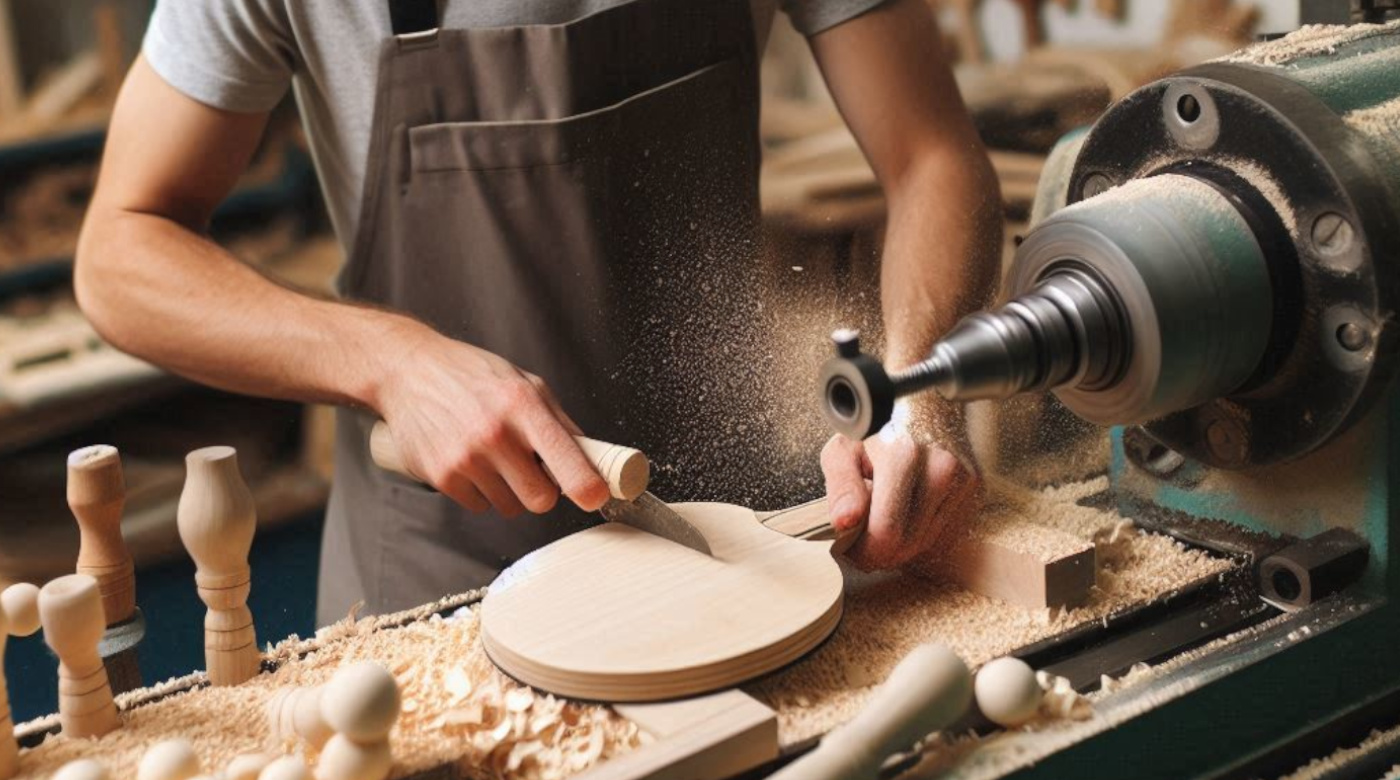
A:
x,y
173,759
20,603
81,769
248,766
1007,691
345,759
361,701
286,768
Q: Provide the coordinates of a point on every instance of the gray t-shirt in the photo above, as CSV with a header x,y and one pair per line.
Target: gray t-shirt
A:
x,y
241,55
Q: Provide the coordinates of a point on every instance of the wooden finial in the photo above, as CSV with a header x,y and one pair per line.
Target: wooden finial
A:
x,y
96,493
217,521
295,713
20,603
70,609
173,759
9,750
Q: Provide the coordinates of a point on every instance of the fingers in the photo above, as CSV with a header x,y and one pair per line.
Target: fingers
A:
x,y
845,466
549,434
894,507
552,401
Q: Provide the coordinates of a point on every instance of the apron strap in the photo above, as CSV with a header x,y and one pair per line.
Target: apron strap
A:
x,y
413,16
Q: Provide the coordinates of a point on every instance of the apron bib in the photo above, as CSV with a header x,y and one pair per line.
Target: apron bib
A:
x,y
580,199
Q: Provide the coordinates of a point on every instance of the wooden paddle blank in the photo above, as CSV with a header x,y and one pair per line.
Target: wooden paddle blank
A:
x,y
616,614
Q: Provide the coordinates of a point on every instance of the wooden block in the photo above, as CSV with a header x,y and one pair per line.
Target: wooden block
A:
x,y
1021,563
999,556
70,609
705,738
96,494
217,520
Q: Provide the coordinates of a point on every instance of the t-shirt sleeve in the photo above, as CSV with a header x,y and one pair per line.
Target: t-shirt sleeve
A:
x,y
813,16
237,55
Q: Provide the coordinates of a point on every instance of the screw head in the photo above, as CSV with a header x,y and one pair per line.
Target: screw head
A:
x,y
1227,441
1332,234
1353,337
1096,184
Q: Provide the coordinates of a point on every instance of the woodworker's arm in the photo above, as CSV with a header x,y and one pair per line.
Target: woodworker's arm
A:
x,y
892,83
154,285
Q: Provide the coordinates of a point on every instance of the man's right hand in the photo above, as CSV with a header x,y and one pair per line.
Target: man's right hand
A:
x,y
478,429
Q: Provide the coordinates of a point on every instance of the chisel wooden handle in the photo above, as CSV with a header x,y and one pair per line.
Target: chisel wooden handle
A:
x,y
927,691
627,471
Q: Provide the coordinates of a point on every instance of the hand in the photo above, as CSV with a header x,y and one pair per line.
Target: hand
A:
x,y
478,428
917,491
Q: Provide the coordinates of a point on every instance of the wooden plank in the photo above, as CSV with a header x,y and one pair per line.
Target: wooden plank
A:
x,y
62,90
706,738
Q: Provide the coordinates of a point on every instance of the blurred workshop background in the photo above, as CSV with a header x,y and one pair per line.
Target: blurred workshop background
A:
x,y
1029,70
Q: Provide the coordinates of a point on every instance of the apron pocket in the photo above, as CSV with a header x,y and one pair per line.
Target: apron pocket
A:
x,y
476,146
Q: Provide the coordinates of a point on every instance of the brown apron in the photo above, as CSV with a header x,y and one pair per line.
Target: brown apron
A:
x,y
580,199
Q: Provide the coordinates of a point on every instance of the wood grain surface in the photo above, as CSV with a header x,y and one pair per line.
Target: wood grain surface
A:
x,y
616,614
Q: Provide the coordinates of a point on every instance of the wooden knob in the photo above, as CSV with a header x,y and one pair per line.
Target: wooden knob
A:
x,y
20,603
361,701
295,713
248,766
96,494
927,691
217,520
70,609
345,759
173,759
627,471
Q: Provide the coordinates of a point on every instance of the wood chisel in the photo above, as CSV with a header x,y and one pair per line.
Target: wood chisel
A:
x,y
626,470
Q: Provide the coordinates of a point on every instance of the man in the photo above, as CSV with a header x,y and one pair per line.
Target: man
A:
x,y
536,197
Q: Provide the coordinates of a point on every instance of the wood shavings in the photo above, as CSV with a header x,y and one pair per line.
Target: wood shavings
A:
x,y
1311,40
1329,765
464,712
887,615
1061,701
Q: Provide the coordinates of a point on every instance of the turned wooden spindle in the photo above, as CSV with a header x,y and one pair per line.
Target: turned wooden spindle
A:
x,y
96,493
626,470
361,703
70,609
217,520
9,751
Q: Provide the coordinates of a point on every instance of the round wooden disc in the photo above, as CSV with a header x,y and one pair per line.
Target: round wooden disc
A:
x,y
616,614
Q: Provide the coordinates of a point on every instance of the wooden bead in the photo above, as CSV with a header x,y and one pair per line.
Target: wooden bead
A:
x,y
217,520
173,759
345,759
248,766
1007,691
361,701
286,768
70,609
20,602
96,494
81,769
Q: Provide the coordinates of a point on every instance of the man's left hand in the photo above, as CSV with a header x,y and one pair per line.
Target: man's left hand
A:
x,y
905,493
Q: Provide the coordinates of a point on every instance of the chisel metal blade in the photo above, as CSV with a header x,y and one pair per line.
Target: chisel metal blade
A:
x,y
649,513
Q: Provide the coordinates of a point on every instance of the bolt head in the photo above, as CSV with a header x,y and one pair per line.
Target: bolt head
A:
x,y
1096,184
1227,441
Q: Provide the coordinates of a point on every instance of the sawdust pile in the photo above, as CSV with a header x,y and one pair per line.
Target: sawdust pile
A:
x,y
887,615
1328,765
457,708
1312,40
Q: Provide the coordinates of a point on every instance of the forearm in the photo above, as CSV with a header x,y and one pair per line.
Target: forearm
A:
x,y
160,291
942,251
